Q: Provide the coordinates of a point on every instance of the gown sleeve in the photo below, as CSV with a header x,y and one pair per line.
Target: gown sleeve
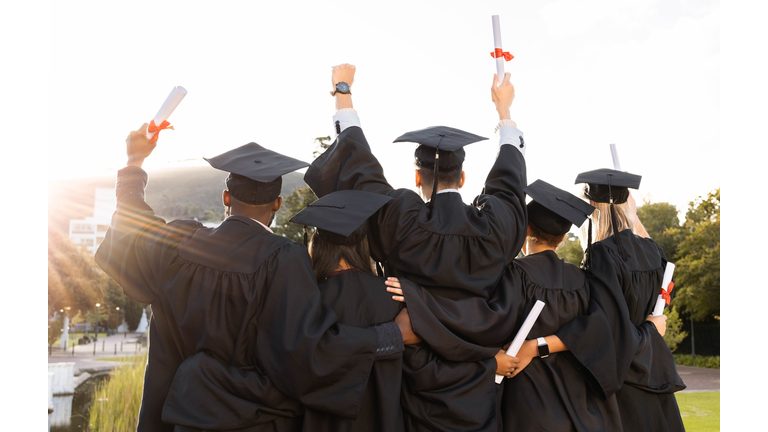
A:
x,y
504,198
347,164
138,244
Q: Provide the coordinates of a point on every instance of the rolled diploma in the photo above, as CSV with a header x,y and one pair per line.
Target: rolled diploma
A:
x,y
497,44
170,104
659,309
615,156
517,342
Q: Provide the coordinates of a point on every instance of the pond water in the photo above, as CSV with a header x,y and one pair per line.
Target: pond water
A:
x,y
70,413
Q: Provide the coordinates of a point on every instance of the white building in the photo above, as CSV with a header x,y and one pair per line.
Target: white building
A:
x,y
90,232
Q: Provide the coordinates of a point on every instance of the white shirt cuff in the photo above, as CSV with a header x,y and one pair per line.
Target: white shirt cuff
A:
x,y
513,136
345,118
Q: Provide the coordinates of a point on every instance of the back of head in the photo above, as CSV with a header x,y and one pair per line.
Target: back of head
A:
x,y
327,249
253,192
604,228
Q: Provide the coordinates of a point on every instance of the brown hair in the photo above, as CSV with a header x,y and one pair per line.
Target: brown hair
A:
x,y
540,236
446,177
326,256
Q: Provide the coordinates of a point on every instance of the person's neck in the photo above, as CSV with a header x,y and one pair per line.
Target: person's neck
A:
x,y
534,248
343,265
264,218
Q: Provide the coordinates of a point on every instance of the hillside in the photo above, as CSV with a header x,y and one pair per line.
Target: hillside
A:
x,y
174,193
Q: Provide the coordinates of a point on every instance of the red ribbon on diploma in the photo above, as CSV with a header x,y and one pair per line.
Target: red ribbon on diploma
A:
x,y
666,292
154,128
499,53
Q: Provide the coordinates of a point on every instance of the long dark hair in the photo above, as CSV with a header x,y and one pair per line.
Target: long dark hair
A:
x,y
327,253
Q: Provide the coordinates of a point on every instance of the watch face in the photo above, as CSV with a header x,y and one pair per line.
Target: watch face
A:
x,y
543,350
342,87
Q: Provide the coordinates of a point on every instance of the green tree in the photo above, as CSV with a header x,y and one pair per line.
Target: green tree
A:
x,y
697,265
293,204
663,225
674,333
571,251
55,326
297,201
73,278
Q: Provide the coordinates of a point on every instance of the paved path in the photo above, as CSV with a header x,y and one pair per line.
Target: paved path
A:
x,y
86,362
699,379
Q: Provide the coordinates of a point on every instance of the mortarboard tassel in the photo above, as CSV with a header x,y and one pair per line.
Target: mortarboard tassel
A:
x,y
434,179
379,270
587,262
306,243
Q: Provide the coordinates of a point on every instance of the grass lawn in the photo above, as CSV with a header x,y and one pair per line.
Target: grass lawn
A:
x,y
700,411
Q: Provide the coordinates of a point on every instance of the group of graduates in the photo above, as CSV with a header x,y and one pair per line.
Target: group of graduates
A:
x,y
395,315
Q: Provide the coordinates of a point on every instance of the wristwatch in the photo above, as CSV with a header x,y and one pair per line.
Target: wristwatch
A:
x,y
341,87
543,347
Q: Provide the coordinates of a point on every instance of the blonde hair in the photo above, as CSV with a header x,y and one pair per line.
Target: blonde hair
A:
x,y
601,220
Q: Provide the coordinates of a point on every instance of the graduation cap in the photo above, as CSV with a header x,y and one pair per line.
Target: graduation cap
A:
x,y
255,173
340,216
609,186
440,147
553,210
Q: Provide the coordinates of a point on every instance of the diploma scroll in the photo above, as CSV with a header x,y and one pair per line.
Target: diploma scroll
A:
x,y
665,289
517,342
497,47
615,157
171,102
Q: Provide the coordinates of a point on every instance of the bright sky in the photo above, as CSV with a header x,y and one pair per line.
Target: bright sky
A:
x,y
641,74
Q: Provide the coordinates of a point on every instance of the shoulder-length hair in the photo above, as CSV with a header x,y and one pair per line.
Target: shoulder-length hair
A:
x,y
326,255
602,216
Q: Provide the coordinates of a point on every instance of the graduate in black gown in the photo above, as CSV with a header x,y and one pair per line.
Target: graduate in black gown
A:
x,y
238,294
549,390
625,271
454,249
349,285
458,249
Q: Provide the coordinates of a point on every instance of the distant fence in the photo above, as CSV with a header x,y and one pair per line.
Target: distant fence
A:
x,y
707,337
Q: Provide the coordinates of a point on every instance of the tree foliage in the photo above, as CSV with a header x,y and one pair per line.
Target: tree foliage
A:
x,y
55,326
73,279
697,266
674,333
297,201
571,251
662,224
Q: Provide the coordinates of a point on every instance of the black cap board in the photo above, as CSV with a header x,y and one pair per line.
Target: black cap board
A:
x,y
341,213
256,163
255,172
604,184
440,147
553,210
609,186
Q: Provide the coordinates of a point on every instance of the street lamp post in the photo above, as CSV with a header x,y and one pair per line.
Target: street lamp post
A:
x,y
96,326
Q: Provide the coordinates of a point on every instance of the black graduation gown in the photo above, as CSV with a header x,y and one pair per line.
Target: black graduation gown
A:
x,y
555,393
552,393
623,294
360,299
244,296
456,249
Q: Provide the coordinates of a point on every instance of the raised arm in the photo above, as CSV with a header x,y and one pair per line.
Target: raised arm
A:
x,y
348,164
132,250
503,194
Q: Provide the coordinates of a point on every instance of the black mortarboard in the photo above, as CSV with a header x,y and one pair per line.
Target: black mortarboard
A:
x,y
255,172
609,186
441,147
604,184
339,215
553,210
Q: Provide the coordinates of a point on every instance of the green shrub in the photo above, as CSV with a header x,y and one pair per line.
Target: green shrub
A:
x,y
711,362
116,401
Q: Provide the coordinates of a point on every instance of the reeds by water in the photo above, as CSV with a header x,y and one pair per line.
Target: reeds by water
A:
x,y
116,401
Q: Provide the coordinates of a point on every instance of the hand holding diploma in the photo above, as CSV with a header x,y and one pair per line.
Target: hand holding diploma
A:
x,y
160,121
517,342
